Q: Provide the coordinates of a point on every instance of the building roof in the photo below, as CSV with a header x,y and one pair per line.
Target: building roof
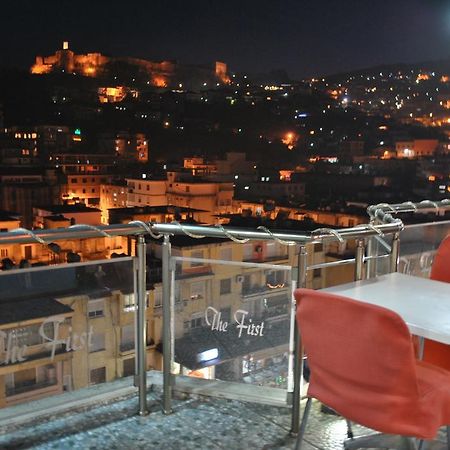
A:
x,y
92,280
160,209
7,216
56,218
63,209
18,311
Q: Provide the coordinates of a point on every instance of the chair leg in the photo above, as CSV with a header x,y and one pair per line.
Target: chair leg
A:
x,y
349,429
301,432
422,444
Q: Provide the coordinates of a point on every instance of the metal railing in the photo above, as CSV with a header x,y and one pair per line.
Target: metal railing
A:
x,y
382,223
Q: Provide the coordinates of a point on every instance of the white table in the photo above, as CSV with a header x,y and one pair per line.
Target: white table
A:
x,y
422,303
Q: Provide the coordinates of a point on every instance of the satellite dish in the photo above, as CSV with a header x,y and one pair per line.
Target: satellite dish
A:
x,y
24,264
7,264
269,206
54,247
73,257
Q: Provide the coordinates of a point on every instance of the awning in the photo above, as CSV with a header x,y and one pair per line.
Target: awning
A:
x,y
199,342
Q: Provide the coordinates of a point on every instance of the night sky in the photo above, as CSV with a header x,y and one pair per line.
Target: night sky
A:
x,y
305,38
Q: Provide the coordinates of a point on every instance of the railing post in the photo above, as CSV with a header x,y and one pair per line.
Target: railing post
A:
x,y
141,328
298,348
395,252
167,327
371,264
359,260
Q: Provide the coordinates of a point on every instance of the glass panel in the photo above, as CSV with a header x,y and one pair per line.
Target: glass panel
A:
x,y
233,322
418,245
64,328
328,253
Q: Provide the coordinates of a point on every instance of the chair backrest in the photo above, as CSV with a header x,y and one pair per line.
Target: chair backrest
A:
x,y
440,270
361,358
435,352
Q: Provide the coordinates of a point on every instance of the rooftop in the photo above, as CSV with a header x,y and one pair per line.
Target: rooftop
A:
x,y
160,209
61,209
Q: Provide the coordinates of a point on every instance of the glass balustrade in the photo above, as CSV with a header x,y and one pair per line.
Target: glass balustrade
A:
x,y
64,328
418,245
233,322
71,327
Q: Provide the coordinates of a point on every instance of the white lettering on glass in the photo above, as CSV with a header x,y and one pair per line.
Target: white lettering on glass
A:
x,y
213,319
74,341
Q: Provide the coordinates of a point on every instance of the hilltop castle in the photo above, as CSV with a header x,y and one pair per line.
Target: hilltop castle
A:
x,y
159,73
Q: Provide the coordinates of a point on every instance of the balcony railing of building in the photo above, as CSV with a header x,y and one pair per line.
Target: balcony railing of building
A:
x,y
384,230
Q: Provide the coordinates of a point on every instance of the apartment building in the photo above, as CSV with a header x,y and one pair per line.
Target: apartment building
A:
x,y
210,196
143,192
416,148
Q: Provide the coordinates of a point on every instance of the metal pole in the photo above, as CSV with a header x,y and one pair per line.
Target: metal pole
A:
x,y
359,260
136,326
23,236
167,335
141,328
395,252
298,349
371,251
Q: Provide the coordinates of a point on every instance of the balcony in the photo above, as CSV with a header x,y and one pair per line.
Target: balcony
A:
x,y
230,376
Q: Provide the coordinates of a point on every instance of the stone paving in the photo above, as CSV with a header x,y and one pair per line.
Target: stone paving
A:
x,y
197,422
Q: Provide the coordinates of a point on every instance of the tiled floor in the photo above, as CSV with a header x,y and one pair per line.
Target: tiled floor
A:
x,y
197,423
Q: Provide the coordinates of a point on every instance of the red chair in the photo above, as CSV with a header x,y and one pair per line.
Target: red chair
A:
x,y
440,270
363,366
435,352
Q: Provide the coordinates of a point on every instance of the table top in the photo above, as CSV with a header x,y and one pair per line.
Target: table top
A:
x,y
422,303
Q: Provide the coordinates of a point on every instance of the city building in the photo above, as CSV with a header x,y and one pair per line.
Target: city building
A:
x,y
199,193
130,146
22,187
416,148
146,192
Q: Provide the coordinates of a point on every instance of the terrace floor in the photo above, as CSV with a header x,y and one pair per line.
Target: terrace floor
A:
x,y
198,422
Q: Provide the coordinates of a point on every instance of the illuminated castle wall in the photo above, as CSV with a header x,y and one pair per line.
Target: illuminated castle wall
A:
x,y
160,74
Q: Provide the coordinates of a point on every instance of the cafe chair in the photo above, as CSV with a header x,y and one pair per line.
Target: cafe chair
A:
x,y
363,366
440,269
435,352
